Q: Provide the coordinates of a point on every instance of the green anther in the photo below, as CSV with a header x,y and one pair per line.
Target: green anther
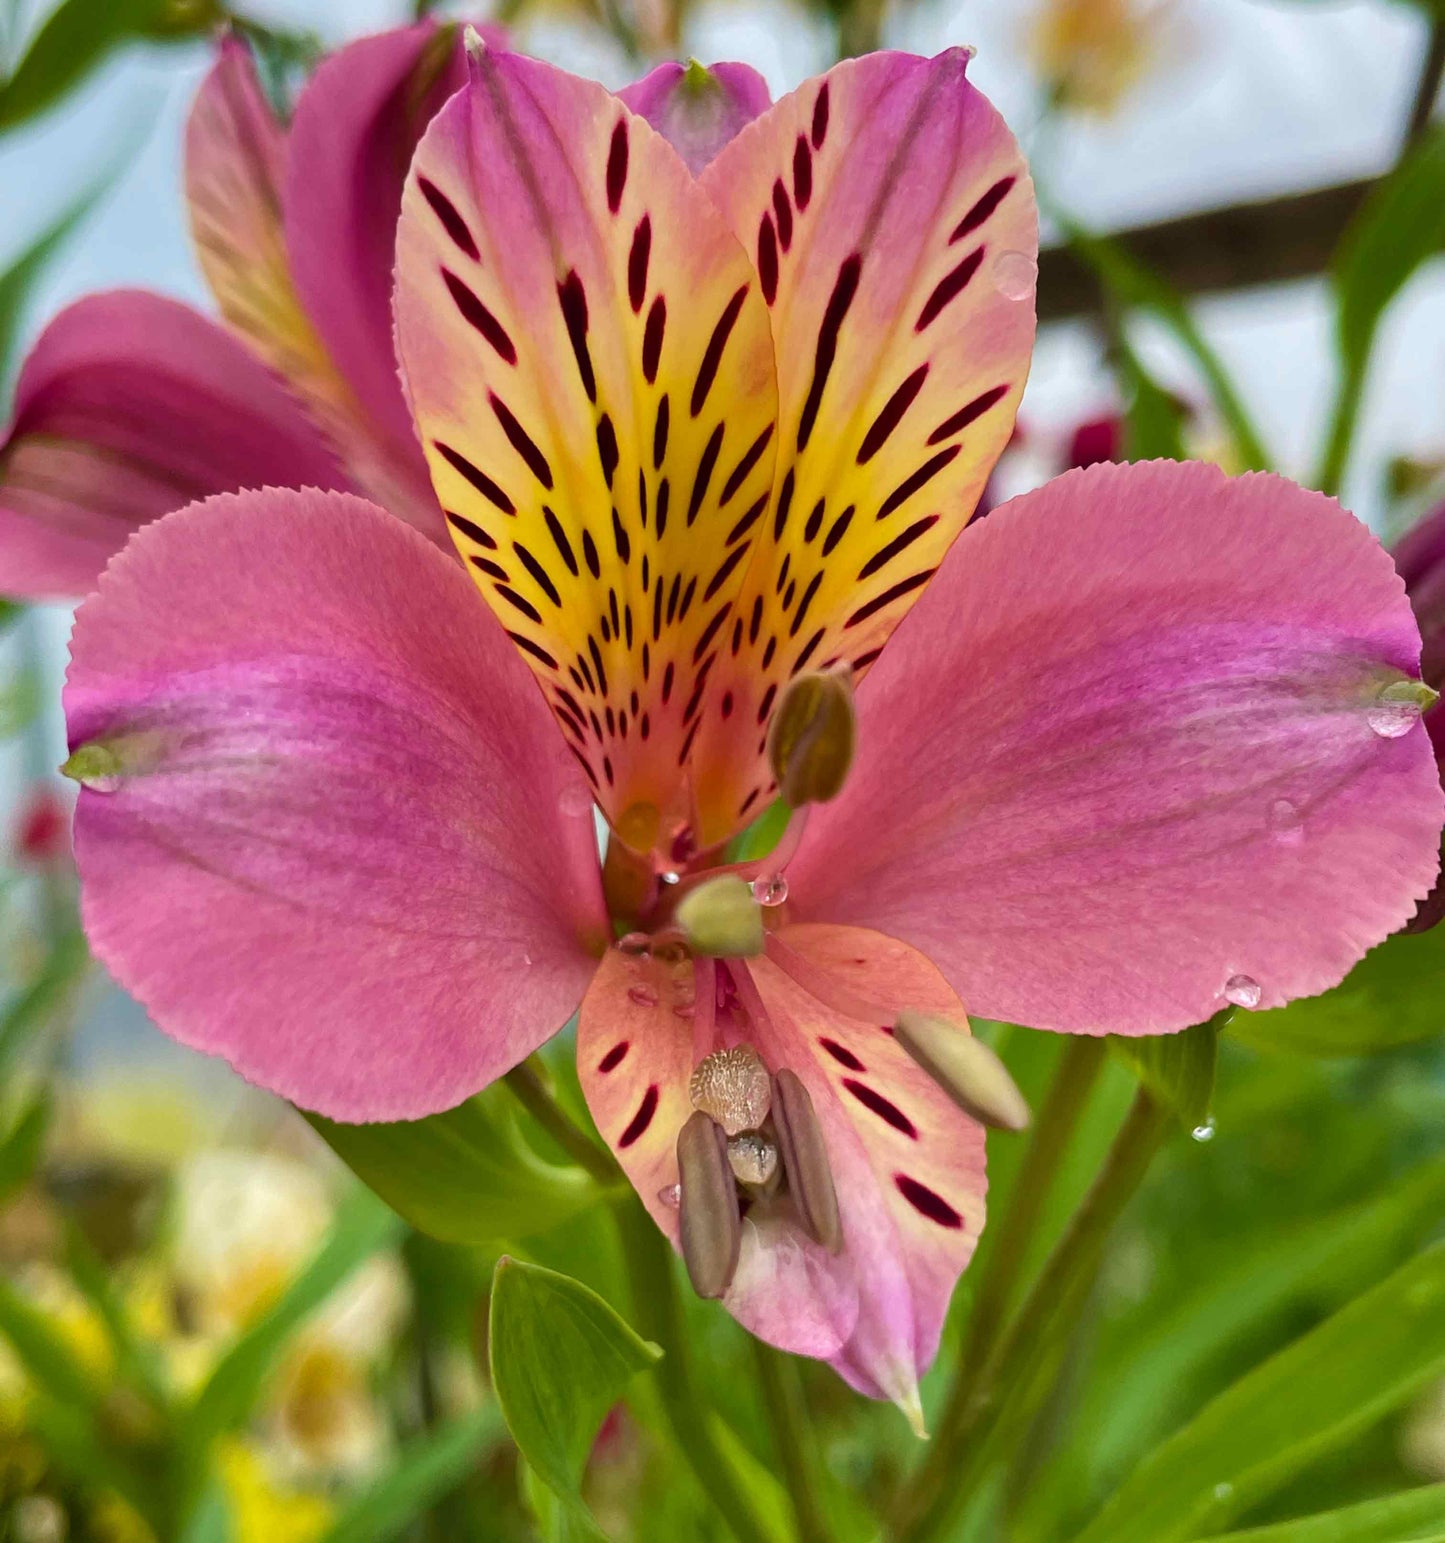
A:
x,y
93,765
721,919
965,1068
812,736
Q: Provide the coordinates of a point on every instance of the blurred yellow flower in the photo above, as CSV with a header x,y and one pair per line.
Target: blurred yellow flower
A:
x,y
261,1510
1091,52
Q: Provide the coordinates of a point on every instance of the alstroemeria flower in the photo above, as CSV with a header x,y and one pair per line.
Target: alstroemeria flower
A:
x,y
1146,745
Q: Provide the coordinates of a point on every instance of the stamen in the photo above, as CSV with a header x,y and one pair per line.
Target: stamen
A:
x,y
733,1088
965,1068
753,1158
721,917
805,1160
812,736
709,1219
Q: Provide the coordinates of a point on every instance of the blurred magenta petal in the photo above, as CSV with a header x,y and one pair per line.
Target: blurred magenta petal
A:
x,y
698,108
130,406
907,1164
1420,558
1123,757
343,847
356,125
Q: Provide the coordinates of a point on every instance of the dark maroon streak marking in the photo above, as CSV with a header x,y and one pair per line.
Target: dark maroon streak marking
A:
x,y
589,553
478,478
712,355
664,499
891,415
559,539
521,441
623,543
837,530
452,222
705,466
842,1055
571,703
637,263
586,766
737,646
966,415
769,651
748,802
783,214
727,704
785,502
617,166
686,750
910,485
596,653
886,1111
642,508
982,209
573,300
802,173
949,287
687,595
747,522
809,649
526,607
768,259
815,519
539,573
721,576
480,317
660,426
903,587
844,289
645,728
820,116
608,773
672,598
652,338
471,531
607,447
539,653
925,1201
710,631
783,573
766,705
789,593
491,569
901,542
668,676
755,621
797,623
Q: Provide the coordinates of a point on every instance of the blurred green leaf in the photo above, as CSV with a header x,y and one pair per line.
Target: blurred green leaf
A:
x,y
136,1359
1392,997
1413,1516
45,996
1154,420
466,1175
43,1352
1178,1069
560,1359
762,835
21,1147
1327,1386
424,1471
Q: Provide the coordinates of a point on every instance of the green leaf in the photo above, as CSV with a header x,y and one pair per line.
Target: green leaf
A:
x,y
1391,997
45,996
137,1360
1155,418
427,1469
1412,1516
466,1175
1313,1396
21,1148
762,835
560,1359
41,1350
1178,1069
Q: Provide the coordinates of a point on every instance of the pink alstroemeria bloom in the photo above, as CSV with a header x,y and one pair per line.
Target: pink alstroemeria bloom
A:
x,y
1145,744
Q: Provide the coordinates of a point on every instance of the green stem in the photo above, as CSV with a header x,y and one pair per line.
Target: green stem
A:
x,y
532,1093
657,1314
1343,418
1074,1078
1009,1390
782,1390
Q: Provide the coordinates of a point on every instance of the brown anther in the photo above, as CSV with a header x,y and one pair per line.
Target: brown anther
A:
x,y
709,1220
965,1068
733,1088
805,1160
812,735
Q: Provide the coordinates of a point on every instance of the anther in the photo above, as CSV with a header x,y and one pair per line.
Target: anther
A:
x,y
805,1160
721,918
709,1220
733,1088
965,1068
753,1159
812,736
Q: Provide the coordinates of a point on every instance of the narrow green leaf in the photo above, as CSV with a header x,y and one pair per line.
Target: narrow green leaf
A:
x,y
1412,1516
762,835
1154,421
43,997
136,1359
44,1354
1312,1396
466,1175
1178,1069
1391,997
560,1358
21,1148
427,1469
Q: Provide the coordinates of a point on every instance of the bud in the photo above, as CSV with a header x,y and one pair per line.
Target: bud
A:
x,y
811,737
805,1160
722,918
733,1088
709,1222
965,1068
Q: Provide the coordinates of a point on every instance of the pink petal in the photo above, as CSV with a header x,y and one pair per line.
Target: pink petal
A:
x,y
698,108
1123,754
347,850
129,406
876,1309
1420,558
356,125
892,222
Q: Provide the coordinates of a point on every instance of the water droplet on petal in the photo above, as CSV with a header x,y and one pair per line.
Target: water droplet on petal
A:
x,y
671,878
1204,1132
670,1194
574,801
527,960
1285,822
684,1010
1242,991
1396,710
1014,274
636,945
770,889
644,996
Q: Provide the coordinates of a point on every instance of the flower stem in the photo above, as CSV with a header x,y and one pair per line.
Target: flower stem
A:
x,y
527,1083
1008,1390
782,1389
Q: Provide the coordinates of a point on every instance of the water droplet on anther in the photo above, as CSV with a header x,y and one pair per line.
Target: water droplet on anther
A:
x,y
636,945
644,996
670,1195
752,1158
770,889
1396,710
1223,1491
1014,274
1242,991
1285,822
1204,1132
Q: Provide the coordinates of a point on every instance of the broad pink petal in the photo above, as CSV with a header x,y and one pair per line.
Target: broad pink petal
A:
x,y
876,1309
892,222
237,158
697,109
1123,753
347,851
128,407
592,373
1420,558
